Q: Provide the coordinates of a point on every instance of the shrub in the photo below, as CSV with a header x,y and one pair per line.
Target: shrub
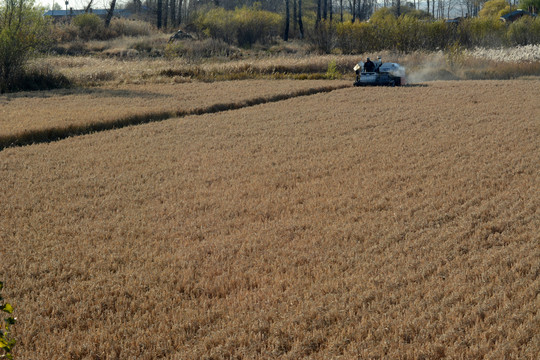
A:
x,y
355,37
149,45
124,27
22,31
482,32
244,26
524,31
40,78
531,5
493,8
405,34
64,32
6,341
143,46
408,35
323,38
90,26
332,72
255,25
454,56
437,35
218,24
385,27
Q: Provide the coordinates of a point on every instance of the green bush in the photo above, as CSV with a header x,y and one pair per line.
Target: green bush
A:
x,y
532,5
437,35
244,26
355,38
6,341
254,25
90,26
482,32
412,32
494,8
409,34
524,31
333,72
217,23
405,34
23,31
125,27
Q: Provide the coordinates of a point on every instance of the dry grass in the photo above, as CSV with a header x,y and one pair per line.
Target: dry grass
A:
x,y
92,70
57,114
421,66
320,227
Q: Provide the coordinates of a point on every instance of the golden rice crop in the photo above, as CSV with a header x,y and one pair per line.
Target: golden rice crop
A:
x,y
361,223
34,116
84,70
423,66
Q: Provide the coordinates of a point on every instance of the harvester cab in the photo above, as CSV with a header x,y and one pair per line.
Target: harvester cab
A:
x,y
385,74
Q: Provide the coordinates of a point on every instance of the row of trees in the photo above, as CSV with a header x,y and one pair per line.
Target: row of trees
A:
x,y
172,13
407,34
410,31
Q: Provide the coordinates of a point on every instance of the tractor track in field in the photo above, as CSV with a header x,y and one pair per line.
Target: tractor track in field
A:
x,y
49,135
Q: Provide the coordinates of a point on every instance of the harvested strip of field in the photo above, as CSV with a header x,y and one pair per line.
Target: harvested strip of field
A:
x,y
37,117
318,227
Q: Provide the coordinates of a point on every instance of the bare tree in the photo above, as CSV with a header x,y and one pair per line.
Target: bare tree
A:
x,y
110,13
295,16
165,14
318,20
174,24
287,21
180,12
88,6
160,12
330,9
300,23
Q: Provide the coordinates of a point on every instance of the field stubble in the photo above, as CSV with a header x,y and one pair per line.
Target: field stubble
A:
x,y
319,227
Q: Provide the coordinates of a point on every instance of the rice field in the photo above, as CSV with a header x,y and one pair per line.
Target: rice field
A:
x,y
322,227
34,116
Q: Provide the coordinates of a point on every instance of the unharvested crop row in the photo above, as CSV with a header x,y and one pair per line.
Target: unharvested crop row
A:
x,y
38,117
404,226
85,70
452,64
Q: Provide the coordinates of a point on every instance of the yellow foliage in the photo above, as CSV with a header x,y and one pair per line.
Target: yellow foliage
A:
x,y
493,8
243,26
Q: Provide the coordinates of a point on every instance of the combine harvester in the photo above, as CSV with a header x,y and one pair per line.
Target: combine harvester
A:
x,y
387,74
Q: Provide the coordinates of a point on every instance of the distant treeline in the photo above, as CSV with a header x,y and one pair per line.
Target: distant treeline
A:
x,y
415,30
409,34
